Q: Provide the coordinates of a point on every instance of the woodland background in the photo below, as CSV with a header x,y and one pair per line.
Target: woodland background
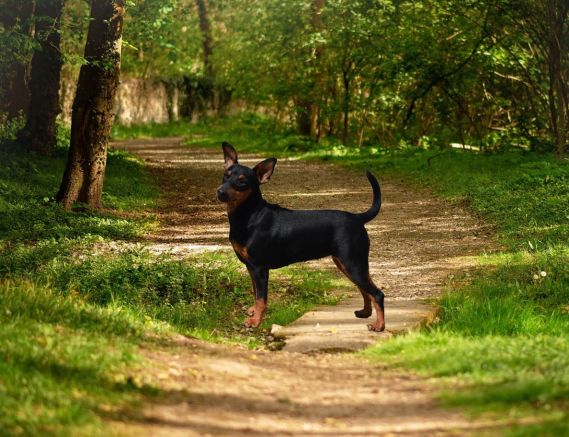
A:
x,y
466,100
490,74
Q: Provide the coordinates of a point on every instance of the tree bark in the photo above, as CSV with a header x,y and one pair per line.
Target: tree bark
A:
x,y
92,116
207,39
346,81
40,132
318,26
303,106
16,94
557,31
307,110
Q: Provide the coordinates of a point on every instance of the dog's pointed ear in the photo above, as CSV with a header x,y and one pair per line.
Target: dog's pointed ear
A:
x,y
229,154
265,169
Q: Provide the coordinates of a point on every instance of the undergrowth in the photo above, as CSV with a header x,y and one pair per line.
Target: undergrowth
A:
x,y
199,295
28,211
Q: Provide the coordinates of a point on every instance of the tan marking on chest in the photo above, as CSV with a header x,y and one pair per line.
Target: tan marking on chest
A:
x,y
240,250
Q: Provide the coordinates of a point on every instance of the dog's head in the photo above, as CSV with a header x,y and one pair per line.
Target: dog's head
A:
x,y
240,181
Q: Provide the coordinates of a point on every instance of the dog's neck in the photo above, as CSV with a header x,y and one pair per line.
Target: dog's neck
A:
x,y
239,217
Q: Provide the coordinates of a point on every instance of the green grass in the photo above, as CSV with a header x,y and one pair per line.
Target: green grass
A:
x,y
502,341
28,212
248,132
63,362
200,294
525,194
150,130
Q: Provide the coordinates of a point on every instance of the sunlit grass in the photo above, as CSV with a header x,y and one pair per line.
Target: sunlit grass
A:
x,y
62,360
150,130
248,132
205,293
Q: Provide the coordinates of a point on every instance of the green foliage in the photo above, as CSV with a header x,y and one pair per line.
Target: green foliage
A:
x,y
248,131
162,39
460,72
470,72
9,130
16,44
196,294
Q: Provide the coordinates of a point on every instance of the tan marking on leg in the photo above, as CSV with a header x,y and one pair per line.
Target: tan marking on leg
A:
x,y
379,324
366,311
260,307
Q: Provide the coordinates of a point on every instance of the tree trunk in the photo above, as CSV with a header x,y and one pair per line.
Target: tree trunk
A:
x,y
318,26
40,132
15,85
346,79
212,98
207,40
303,106
557,32
92,116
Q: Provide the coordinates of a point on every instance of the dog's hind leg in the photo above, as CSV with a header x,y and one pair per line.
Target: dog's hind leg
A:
x,y
366,311
377,299
358,272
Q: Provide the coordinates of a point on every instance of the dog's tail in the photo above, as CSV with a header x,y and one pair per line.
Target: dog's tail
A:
x,y
371,213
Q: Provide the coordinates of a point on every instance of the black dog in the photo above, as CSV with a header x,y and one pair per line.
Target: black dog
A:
x,y
266,236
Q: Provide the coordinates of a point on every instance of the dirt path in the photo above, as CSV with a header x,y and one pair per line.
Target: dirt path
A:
x,y
417,242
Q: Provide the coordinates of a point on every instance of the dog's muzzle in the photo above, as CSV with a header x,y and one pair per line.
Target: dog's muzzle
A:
x,y
222,195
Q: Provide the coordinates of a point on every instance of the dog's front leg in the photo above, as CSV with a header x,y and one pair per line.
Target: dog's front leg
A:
x,y
261,283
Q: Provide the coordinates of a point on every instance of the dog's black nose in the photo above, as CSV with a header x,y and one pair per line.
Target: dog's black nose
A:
x,y
222,195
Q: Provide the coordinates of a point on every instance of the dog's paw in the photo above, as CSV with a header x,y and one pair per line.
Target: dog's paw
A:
x,y
362,314
251,311
251,322
376,328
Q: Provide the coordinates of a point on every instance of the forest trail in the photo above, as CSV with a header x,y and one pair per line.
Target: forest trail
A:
x,y
417,242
